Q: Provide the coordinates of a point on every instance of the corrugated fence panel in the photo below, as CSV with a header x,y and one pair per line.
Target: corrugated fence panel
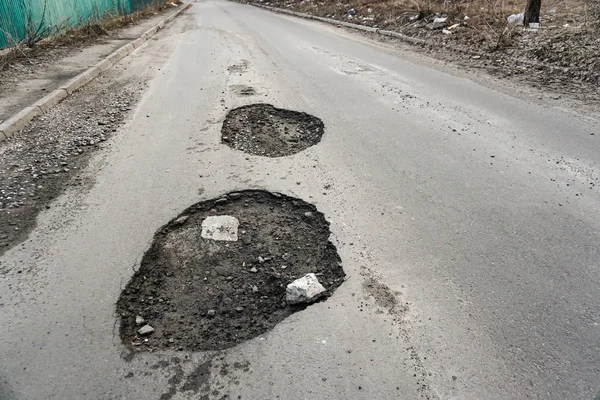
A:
x,y
19,16
12,21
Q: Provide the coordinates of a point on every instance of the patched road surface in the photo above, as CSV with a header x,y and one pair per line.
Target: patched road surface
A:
x,y
453,225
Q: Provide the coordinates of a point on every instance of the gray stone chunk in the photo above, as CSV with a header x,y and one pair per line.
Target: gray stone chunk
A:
x,y
304,290
145,330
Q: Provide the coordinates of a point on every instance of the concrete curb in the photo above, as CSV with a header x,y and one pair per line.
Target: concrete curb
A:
x,y
20,120
322,19
51,100
357,27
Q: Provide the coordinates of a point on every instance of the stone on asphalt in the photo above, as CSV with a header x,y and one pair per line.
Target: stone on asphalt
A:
x,y
304,290
221,227
139,320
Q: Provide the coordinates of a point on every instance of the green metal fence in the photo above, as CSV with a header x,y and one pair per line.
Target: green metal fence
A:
x,y
19,17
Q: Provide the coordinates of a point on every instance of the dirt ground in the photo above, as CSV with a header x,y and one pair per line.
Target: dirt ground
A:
x,y
264,130
202,294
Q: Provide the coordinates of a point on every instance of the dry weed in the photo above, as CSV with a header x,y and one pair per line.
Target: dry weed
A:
x,y
83,35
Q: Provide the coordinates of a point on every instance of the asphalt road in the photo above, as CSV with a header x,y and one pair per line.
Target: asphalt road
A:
x,y
479,210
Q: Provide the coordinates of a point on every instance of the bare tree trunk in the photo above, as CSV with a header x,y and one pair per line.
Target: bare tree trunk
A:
x,y
532,12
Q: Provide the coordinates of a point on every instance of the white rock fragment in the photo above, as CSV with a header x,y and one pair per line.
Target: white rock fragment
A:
x,y
139,320
181,220
304,290
516,19
145,330
221,227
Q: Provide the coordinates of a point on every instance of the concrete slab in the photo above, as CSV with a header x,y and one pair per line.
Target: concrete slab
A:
x,y
221,228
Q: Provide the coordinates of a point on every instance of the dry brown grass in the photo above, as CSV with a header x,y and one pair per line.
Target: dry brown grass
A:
x,y
486,25
102,27
493,11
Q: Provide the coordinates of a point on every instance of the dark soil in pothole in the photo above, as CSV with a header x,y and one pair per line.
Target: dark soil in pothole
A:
x,y
264,130
201,294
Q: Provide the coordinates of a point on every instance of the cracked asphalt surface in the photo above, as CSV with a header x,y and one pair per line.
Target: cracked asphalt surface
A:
x,y
466,217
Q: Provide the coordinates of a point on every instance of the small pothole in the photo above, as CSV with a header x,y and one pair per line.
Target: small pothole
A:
x,y
243,90
240,67
216,275
265,130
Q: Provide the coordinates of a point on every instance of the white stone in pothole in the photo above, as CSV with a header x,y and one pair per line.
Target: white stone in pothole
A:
x,y
304,290
220,227
145,330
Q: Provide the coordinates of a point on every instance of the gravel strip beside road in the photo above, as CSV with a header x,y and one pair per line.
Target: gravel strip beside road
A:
x,y
39,162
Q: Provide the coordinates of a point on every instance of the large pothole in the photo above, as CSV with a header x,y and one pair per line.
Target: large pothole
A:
x,y
217,275
264,130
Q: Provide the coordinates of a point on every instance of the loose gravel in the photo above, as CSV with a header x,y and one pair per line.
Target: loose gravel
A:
x,y
39,162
